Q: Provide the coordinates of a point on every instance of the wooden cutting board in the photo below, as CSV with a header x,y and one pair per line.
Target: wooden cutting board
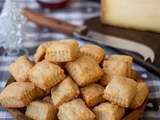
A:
x,y
149,38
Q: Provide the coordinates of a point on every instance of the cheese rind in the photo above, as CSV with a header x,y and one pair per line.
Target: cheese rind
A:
x,y
137,14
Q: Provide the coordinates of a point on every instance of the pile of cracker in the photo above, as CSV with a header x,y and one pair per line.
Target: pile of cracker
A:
x,y
69,82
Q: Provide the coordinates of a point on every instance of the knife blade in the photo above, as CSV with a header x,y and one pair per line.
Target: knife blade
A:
x,y
81,32
124,44
102,39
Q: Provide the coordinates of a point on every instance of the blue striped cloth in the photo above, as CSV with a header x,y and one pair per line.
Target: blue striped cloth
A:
x,y
76,13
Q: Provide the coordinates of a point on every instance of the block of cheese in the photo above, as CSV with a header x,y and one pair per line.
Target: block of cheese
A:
x,y
136,14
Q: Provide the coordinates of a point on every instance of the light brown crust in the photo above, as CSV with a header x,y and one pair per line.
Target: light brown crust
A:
x,y
120,91
65,91
93,51
46,75
18,94
124,58
63,51
113,67
84,70
70,41
20,68
75,110
108,111
141,95
41,51
39,110
92,94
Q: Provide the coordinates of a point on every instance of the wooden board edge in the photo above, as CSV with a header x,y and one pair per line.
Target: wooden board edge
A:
x,y
136,114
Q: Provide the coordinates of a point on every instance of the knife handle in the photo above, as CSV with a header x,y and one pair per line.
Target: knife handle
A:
x,y
50,22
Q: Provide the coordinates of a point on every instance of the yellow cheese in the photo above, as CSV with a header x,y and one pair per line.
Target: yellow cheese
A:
x,y
137,14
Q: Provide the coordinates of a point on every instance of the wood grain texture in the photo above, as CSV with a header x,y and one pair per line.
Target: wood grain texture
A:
x,y
148,38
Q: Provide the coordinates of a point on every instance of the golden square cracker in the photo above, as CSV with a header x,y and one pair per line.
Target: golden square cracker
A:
x,y
65,91
84,70
93,51
120,91
92,94
20,68
60,64
39,110
124,58
108,111
46,75
41,51
112,67
141,94
18,94
70,41
63,51
75,110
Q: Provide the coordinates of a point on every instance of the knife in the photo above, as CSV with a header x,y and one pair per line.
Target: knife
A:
x,y
81,32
